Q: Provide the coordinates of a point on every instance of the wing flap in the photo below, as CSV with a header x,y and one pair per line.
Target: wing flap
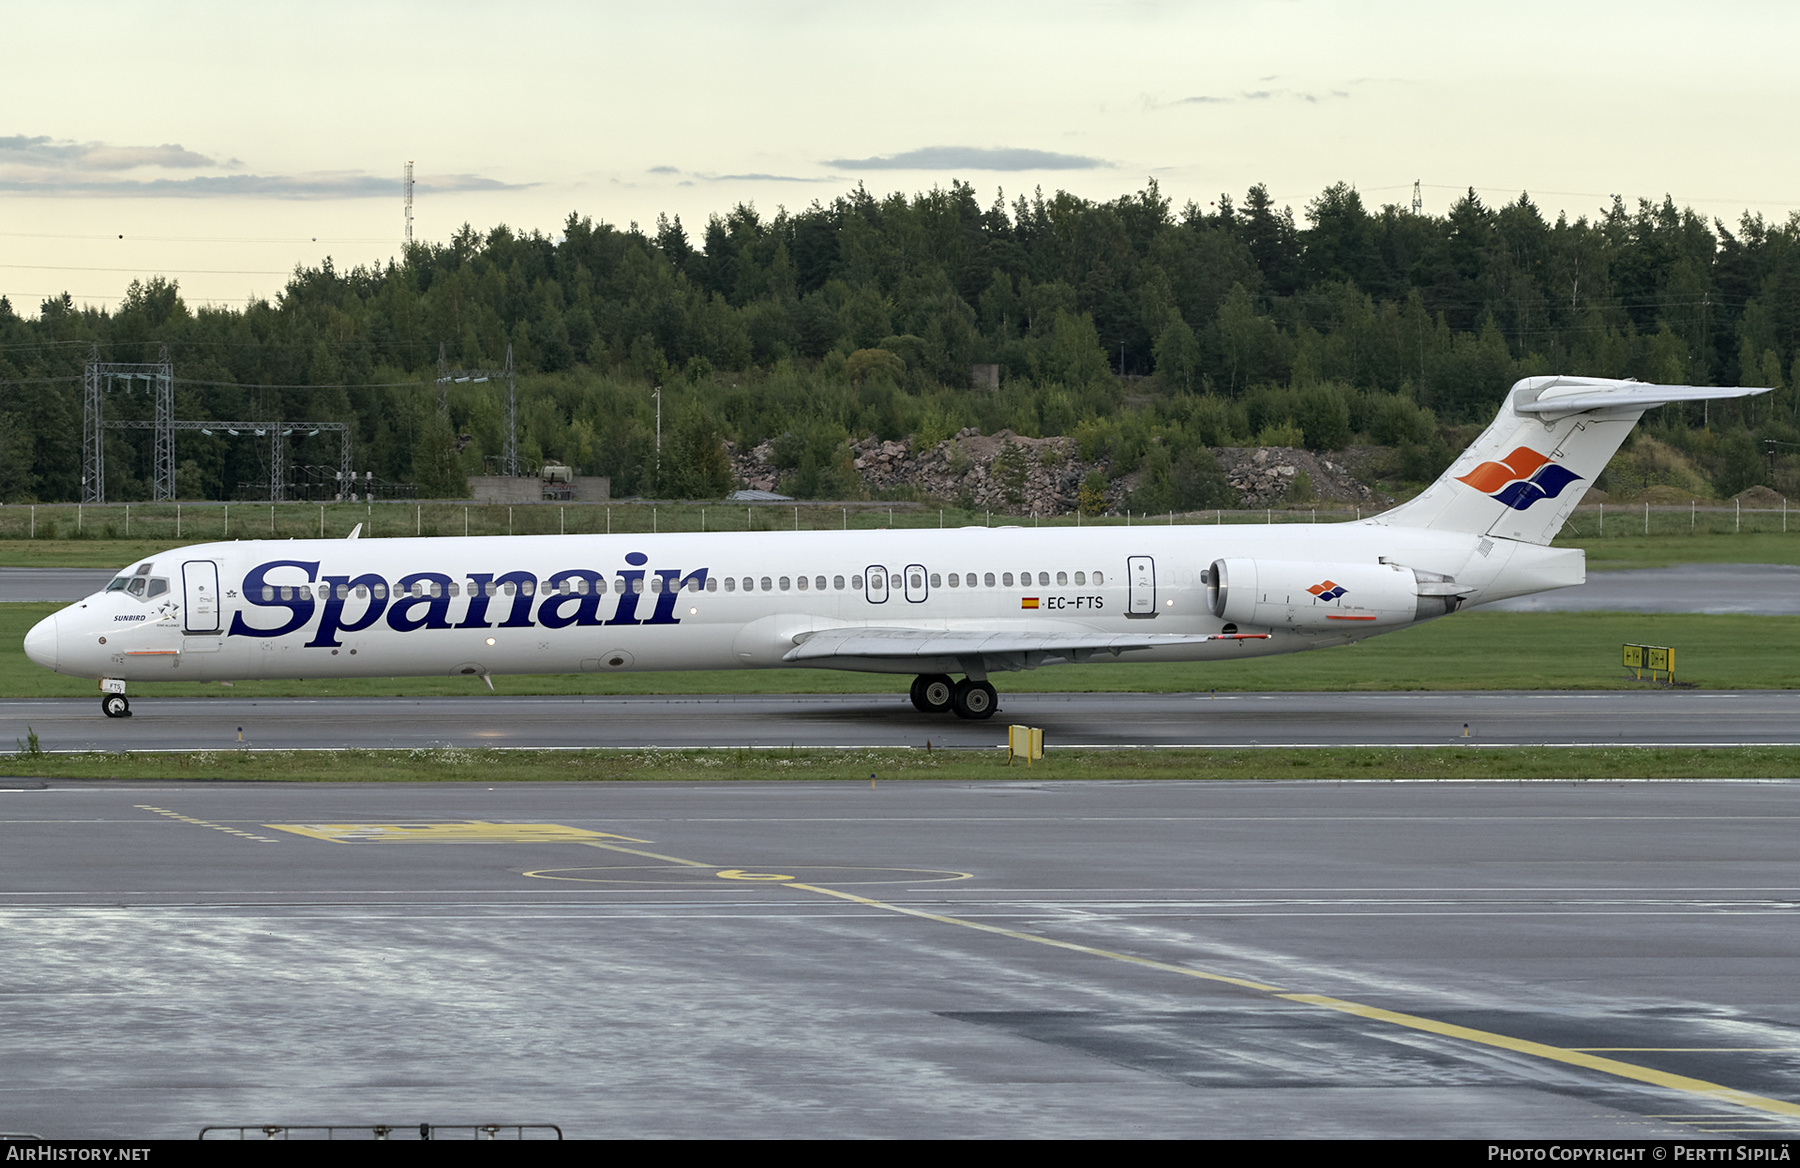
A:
x,y
903,643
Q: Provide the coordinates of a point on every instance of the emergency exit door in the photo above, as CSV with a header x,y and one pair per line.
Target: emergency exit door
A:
x,y
1140,579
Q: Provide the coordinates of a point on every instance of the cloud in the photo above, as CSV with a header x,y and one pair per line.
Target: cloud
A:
x,y
46,153
1259,95
41,165
973,158
767,178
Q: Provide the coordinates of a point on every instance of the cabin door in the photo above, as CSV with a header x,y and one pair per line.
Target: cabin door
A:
x,y
1140,579
877,580
200,596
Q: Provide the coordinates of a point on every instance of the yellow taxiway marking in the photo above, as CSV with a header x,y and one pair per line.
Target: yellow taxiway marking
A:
x,y
555,833
176,815
474,831
1593,1062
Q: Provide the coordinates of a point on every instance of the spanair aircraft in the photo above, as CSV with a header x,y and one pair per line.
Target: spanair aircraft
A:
x,y
974,601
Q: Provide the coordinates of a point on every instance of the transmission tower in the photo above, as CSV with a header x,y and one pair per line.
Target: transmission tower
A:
x,y
1418,203
409,205
509,455
97,377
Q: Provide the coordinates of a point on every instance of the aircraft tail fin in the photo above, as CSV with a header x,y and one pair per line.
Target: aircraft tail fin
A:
x,y
1554,435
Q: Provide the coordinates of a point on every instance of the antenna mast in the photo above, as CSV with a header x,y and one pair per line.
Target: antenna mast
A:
x,y
1418,203
409,205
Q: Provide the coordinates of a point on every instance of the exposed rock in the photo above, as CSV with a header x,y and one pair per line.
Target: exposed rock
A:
x,y
1013,474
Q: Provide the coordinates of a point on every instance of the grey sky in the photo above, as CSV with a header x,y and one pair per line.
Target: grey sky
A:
x,y
227,142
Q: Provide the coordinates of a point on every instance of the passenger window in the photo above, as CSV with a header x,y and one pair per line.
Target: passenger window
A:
x,y
784,583
895,582
856,583
362,591
1081,577
287,591
989,580
934,579
819,583
1006,579
381,591
656,583
268,592
953,579
506,589
712,584
837,582
767,586
637,587
802,583
730,583
1099,579
918,582
343,591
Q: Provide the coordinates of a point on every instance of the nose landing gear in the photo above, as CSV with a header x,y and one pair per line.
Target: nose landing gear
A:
x,y
115,706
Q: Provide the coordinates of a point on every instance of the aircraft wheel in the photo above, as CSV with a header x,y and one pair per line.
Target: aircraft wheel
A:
x,y
115,706
974,700
932,693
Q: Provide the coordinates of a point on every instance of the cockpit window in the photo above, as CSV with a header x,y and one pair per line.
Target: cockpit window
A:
x,y
140,586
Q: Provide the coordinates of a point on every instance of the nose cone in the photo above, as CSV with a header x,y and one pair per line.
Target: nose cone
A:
x,y
40,643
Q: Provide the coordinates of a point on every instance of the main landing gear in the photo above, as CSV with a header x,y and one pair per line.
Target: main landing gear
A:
x,y
933,693
115,706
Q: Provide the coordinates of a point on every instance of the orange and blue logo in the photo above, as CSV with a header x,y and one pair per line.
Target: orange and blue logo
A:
x,y
1327,590
1520,479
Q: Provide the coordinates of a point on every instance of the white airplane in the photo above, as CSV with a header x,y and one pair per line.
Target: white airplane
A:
x,y
933,603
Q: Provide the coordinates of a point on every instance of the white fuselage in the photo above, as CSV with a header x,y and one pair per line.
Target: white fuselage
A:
x,y
565,604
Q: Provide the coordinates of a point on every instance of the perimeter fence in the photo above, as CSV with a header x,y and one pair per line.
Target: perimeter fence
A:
x,y
170,523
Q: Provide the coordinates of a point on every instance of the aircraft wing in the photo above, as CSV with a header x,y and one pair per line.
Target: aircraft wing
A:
x,y
914,643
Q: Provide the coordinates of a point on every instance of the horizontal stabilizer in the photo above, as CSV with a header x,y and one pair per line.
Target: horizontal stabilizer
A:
x,y
1569,395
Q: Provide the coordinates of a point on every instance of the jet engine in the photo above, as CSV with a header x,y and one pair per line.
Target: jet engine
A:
x,y
1340,597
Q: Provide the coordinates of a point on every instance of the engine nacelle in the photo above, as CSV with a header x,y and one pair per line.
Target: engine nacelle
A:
x,y
1339,597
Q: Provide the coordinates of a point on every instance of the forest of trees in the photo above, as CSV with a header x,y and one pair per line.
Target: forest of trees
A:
x,y
1147,333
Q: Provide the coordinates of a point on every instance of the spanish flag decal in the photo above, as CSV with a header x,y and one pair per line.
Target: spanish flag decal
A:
x,y
1028,602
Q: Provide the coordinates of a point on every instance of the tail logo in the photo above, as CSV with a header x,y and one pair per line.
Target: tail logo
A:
x,y
1327,590
1520,479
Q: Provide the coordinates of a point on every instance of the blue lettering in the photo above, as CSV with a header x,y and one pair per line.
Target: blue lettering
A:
x,y
586,603
300,605
437,608
331,615
673,582
523,585
626,613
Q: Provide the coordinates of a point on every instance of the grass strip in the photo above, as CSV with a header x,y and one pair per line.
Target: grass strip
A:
x,y
1328,764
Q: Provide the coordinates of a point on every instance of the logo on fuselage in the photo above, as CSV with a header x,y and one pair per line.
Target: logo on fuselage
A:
x,y
1521,479
424,600
1327,590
